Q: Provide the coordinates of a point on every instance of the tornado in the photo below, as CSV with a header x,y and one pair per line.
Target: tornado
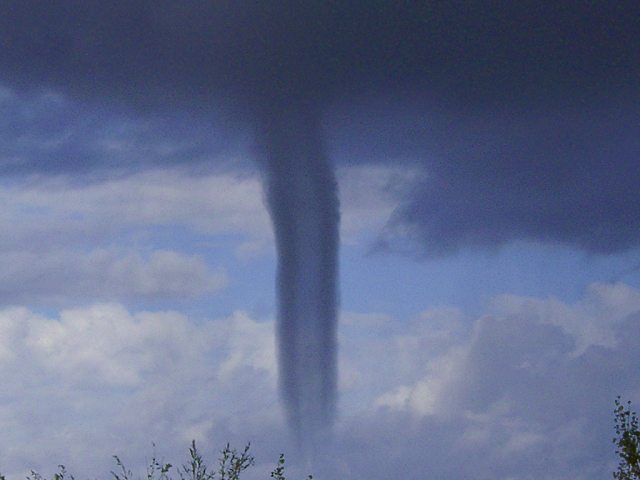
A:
x,y
302,197
276,66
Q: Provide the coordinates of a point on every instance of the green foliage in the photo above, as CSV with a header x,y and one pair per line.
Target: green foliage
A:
x,y
627,442
231,464
155,470
61,475
124,473
278,472
196,469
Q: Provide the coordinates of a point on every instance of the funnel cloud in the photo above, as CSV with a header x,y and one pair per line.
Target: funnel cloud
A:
x,y
303,201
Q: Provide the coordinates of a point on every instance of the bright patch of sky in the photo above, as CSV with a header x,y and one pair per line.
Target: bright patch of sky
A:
x,y
157,238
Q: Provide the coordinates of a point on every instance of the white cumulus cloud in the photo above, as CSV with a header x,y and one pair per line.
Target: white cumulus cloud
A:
x,y
61,276
101,380
523,392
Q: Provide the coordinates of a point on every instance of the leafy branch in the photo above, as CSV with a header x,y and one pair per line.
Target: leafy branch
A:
x,y
231,464
627,441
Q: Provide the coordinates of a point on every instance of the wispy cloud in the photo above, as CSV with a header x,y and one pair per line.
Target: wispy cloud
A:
x,y
57,277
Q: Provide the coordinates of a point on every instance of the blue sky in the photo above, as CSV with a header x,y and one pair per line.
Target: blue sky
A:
x,y
489,260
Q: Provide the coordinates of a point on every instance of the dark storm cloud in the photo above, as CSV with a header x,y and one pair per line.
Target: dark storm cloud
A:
x,y
563,175
471,51
525,114
46,132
